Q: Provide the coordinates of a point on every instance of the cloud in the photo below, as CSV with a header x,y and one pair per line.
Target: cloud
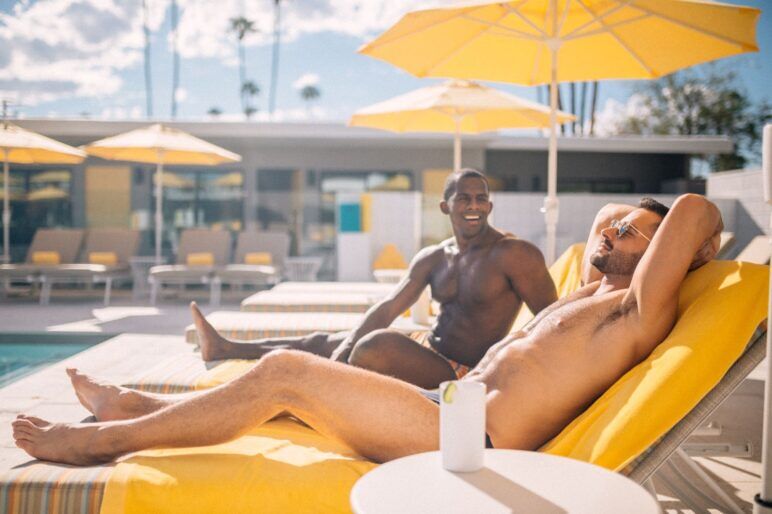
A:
x,y
307,79
67,48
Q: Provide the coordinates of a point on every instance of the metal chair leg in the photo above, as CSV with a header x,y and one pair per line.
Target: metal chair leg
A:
x,y
153,290
215,291
45,291
108,290
728,501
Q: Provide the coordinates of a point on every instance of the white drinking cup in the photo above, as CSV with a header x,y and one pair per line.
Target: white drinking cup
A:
x,y
462,425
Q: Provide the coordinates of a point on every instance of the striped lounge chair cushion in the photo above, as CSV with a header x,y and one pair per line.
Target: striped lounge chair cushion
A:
x,y
43,488
291,301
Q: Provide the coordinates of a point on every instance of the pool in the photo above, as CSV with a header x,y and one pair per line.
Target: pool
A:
x,y
22,354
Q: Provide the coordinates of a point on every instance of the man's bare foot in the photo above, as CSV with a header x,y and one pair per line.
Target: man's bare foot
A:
x,y
59,442
109,402
213,345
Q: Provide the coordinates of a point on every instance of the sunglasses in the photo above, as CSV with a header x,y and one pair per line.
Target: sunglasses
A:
x,y
623,227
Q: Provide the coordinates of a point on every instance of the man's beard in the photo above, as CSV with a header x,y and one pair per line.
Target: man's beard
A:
x,y
616,263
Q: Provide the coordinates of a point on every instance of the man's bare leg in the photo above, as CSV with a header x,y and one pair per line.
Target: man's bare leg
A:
x,y
110,402
379,417
216,347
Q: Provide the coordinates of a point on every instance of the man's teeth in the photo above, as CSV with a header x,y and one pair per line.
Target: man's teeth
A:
x,y
471,217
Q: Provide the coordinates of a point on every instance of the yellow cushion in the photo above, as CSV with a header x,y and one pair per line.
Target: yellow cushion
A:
x,y
46,258
566,272
390,258
719,307
104,258
258,258
282,466
200,259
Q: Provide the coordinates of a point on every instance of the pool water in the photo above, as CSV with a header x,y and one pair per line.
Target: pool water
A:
x,y
20,359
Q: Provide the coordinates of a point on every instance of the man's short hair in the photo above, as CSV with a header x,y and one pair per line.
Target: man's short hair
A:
x,y
456,176
650,204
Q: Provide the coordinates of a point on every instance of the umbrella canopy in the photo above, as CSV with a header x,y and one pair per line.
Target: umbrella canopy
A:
x,y
455,106
534,42
20,146
160,145
47,193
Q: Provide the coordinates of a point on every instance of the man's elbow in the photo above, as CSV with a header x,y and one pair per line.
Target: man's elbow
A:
x,y
697,207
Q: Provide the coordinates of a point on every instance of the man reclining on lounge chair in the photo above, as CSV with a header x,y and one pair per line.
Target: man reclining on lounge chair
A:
x,y
481,277
538,379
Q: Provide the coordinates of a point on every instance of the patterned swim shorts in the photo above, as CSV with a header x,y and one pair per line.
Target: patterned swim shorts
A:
x,y
423,338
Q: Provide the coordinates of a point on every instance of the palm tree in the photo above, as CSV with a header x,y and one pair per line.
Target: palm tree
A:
x,y
593,104
175,58
275,56
148,78
214,111
242,26
310,93
248,91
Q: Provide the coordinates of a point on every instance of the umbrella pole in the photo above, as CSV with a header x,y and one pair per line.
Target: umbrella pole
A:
x,y
763,501
550,208
6,212
159,175
457,145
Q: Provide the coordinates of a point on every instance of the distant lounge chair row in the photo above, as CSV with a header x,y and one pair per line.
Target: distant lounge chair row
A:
x,y
60,256
204,258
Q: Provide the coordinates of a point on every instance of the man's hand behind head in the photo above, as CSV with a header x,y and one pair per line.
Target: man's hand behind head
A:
x,y
707,252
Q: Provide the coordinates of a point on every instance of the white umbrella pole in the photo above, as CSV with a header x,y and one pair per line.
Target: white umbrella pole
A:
x,y
6,211
763,503
550,208
457,145
159,217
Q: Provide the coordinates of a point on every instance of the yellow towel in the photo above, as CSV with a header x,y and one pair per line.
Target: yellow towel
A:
x,y
566,272
282,467
104,258
200,259
46,258
258,258
390,258
720,306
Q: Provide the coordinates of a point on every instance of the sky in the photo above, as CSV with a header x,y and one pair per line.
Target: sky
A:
x,y
76,58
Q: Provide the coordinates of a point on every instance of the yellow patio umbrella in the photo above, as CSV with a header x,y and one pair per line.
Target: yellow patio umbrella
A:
x,y
20,146
160,145
534,42
47,193
458,107
235,179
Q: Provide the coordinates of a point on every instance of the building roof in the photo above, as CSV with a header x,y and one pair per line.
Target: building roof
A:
x,y
334,134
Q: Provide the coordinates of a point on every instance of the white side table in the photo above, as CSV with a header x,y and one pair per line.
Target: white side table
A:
x,y
511,481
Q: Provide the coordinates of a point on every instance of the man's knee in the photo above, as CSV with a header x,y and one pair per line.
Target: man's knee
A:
x,y
373,349
282,363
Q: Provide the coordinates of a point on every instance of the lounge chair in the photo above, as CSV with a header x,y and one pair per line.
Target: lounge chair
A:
x,y
200,253
49,249
296,301
757,251
259,260
104,258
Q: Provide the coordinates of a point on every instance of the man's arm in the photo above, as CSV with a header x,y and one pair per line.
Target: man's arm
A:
x,y
405,294
687,238
611,211
524,266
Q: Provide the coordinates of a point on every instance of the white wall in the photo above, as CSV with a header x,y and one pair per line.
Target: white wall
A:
x,y
520,214
396,219
745,187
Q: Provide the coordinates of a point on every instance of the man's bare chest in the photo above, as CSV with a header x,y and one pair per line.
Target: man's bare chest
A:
x,y
461,279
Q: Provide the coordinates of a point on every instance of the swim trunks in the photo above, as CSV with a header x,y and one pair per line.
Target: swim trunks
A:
x,y
434,395
424,339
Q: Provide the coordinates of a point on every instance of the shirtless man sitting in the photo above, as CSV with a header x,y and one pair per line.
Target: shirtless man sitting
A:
x,y
480,277
538,379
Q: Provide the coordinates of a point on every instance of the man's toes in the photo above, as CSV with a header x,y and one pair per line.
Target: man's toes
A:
x,y
37,421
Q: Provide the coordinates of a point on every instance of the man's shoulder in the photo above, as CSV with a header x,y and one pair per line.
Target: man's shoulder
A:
x,y
510,247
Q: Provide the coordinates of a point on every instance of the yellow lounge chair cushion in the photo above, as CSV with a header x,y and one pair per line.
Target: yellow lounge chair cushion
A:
x,y
200,259
390,258
258,258
719,307
281,467
46,258
104,258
